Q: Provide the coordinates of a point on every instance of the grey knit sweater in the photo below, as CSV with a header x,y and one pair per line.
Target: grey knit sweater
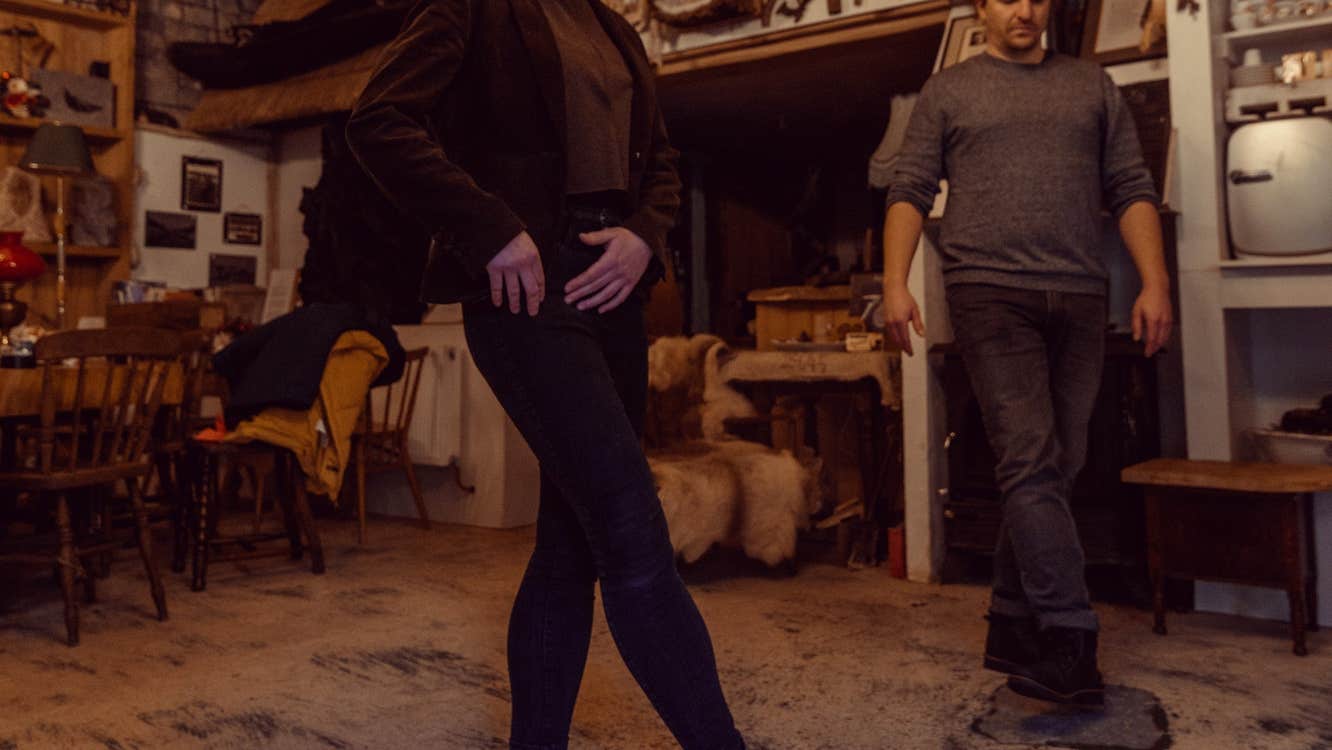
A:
x,y
1032,153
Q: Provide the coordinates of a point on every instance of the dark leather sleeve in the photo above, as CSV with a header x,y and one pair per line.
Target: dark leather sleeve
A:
x,y
659,195
389,135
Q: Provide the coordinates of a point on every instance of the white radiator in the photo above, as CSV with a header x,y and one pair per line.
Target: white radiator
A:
x,y
435,435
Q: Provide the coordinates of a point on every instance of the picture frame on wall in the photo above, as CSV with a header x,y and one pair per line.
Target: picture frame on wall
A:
x,y
200,184
1113,30
166,229
242,229
964,39
224,270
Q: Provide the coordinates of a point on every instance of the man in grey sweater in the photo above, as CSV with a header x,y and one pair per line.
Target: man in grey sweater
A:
x,y
1034,146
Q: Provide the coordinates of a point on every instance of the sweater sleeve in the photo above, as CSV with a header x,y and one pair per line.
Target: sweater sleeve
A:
x,y
915,176
1125,179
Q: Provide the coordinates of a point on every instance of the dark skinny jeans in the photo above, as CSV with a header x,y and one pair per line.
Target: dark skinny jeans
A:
x,y
575,385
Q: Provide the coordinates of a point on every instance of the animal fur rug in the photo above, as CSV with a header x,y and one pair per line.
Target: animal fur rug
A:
x,y
738,494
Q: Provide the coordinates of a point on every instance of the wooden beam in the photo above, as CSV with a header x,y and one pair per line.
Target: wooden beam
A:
x,y
847,30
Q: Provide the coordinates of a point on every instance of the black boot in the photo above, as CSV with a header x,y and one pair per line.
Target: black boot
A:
x,y
1066,671
1011,643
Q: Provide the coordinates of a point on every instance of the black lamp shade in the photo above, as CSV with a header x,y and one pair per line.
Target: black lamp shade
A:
x,y
57,149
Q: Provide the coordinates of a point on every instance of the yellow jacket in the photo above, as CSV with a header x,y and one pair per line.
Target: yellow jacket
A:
x,y
321,435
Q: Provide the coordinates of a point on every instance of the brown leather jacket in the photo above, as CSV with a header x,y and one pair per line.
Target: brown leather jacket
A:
x,y
462,126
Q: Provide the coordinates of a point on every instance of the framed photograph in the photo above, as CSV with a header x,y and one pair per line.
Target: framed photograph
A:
x,y
165,229
242,229
200,184
225,270
964,39
1114,29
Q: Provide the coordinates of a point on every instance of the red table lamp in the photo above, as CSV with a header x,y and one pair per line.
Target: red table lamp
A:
x,y
17,265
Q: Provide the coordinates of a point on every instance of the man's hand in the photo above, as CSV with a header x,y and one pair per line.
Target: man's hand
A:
x,y
900,315
517,270
1153,318
609,281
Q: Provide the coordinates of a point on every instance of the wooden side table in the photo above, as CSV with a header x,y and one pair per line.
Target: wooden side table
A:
x,y
1246,523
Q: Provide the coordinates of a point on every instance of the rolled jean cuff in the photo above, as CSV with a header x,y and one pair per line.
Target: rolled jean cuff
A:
x,y
1080,619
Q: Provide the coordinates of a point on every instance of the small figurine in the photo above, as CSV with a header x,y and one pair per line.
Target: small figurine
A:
x,y
23,99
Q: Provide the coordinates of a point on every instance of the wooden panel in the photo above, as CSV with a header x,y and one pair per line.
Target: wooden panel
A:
x,y
818,314
1227,537
68,14
1235,477
181,315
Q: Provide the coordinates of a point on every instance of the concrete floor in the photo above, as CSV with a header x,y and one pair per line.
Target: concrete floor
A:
x,y
401,645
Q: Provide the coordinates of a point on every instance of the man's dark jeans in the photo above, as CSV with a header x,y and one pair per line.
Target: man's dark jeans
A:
x,y
575,384
1035,361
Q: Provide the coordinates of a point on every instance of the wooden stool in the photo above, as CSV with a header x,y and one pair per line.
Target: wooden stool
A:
x,y
1246,523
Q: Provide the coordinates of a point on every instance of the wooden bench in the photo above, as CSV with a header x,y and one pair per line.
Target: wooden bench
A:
x,y
1246,523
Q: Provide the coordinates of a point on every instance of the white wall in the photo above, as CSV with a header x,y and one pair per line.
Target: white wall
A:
x,y
299,166
1280,359
244,190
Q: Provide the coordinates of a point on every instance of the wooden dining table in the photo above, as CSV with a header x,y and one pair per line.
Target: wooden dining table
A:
x,y
21,389
21,395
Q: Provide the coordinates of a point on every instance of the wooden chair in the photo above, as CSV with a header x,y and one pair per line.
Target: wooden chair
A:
x,y
207,461
380,441
175,423
95,430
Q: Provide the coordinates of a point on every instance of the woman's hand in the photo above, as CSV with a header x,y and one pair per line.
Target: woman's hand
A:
x,y
517,270
610,280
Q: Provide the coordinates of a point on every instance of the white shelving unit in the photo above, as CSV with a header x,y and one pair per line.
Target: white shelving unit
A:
x,y
1256,333
1294,32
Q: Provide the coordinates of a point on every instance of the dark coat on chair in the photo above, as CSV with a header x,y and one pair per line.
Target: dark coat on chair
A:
x,y
463,126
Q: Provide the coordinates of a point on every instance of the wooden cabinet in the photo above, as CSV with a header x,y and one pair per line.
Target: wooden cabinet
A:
x,y
79,37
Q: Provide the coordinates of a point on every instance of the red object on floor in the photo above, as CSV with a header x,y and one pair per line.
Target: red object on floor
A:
x,y
897,551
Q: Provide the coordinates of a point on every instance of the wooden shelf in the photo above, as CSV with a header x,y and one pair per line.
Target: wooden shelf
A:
x,y
1323,260
28,125
1294,32
94,19
77,251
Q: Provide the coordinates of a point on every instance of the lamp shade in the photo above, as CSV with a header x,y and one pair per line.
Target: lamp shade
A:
x,y
57,149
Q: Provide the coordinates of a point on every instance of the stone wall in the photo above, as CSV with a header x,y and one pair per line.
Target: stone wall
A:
x,y
159,86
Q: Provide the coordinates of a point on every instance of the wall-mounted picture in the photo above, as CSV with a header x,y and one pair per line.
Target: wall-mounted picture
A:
x,y
1115,30
165,229
965,39
200,184
224,270
242,229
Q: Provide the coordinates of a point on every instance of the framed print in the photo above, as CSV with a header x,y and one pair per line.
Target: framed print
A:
x,y
242,229
964,39
1114,29
165,229
200,184
224,270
